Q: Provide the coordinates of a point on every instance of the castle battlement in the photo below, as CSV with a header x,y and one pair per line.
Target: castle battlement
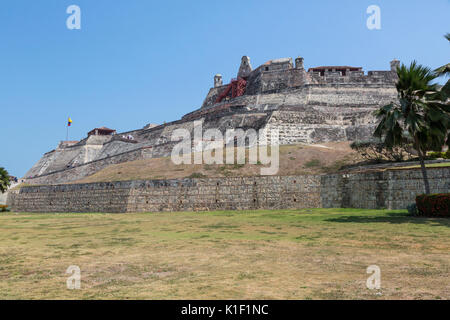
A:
x,y
282,74
321,104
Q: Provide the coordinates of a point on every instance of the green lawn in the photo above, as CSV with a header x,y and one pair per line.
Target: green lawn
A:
x,y
287,254
429,165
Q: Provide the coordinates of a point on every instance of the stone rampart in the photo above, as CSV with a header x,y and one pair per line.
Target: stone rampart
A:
x,y
391,189
241,193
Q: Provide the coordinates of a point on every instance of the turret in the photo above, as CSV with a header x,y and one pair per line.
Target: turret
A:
x,y
218,82
245,68
299,63
394,65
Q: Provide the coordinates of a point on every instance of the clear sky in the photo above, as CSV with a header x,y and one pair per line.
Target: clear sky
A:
x,y
140,61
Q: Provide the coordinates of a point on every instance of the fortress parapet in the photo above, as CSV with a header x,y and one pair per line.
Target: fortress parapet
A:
x,y
315,105
281,74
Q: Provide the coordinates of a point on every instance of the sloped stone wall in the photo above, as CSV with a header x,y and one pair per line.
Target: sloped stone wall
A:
x,y
86,169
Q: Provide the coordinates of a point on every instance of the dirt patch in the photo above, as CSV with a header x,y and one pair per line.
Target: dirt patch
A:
x,y
294,160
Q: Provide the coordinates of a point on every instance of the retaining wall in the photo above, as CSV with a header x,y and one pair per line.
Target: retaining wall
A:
x,y
172,195
391,189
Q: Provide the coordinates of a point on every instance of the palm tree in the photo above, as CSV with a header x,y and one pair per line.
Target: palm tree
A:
x,y
4,180
445,69
421,114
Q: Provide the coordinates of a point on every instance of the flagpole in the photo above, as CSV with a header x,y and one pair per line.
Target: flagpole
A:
x,y
69,122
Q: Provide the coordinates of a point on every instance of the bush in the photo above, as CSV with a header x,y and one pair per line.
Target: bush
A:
x,y
376,150
313,163
435,155
433,205
197,175
3,208
412,209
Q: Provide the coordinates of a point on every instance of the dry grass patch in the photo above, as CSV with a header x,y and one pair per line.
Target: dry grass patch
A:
x,y
294,160
288,254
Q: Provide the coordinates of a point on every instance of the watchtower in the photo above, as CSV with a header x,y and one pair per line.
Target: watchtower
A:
x,y
218,82
245,67
394,65
299,63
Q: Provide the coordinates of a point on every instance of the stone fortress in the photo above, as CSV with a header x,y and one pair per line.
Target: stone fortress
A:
x,y
321,104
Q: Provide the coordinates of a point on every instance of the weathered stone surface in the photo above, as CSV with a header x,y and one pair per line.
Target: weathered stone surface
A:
x,y
171,195
305,106
392,189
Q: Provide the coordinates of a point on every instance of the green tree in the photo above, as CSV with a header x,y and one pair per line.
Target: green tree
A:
x,y
445,69
421,114
4,180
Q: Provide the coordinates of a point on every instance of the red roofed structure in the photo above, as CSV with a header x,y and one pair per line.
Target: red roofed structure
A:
x,y
103,131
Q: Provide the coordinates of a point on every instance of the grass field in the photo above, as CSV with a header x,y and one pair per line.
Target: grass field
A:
x,y
429,165
288,254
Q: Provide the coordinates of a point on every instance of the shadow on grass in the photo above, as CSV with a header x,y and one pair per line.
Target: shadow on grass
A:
x,y
391,217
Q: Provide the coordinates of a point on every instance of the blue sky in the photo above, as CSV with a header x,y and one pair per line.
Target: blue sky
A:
x,y
136,62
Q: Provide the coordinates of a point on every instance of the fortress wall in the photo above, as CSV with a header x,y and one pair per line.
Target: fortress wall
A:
x,y
100,197
391,189
115,147
310,116
56,160
81,171
3,197
234,193
301,111
243,193
315,124
62,157
355,77
351,95
282,79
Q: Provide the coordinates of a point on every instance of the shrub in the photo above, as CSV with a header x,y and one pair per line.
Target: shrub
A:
x,y
376,150
433,205
435,155
412,209
313,163
3,208
197,175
